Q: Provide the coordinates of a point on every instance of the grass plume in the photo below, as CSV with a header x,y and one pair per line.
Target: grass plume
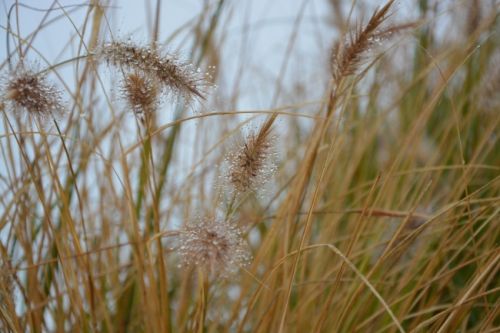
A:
x,y
214,245
250,164
177,78
347,57
30,92
141,94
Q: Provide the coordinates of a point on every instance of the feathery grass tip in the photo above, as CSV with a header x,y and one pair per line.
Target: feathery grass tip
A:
x,y
141,93
217,246
347,57
250,165
31,92
178,78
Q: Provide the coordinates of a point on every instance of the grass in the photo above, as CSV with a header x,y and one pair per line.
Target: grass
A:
x,y
136,197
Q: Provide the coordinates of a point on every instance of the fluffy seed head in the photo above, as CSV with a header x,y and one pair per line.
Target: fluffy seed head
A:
x,y
30,91
178,78
141,93
251,164
214,245
347,57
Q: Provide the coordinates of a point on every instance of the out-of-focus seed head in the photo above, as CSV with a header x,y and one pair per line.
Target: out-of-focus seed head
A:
x,y
31,92
251,164
177,78
141,93
216,246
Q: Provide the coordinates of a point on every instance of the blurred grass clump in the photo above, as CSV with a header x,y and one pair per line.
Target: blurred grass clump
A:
x,y
348,182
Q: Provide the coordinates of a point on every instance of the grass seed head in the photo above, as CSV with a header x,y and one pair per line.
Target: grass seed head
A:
x,y
251,164
217,246
347,57
141,93
31,92
177,78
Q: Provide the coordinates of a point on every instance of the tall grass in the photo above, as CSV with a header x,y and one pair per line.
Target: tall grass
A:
x,y
138,195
